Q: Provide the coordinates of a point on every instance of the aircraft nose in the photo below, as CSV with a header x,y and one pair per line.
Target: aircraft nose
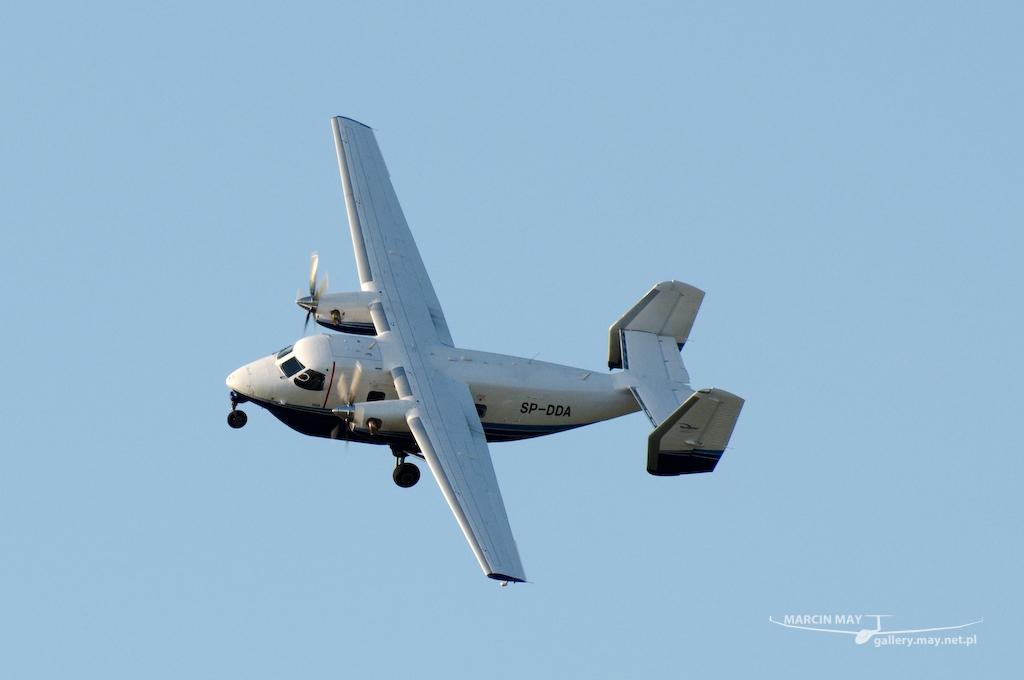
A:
x,y
239,381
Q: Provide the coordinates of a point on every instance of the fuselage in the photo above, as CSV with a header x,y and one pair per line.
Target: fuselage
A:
x,y
515,398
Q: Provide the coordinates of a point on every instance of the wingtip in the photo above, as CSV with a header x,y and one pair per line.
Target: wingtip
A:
x,y
353,120
506,579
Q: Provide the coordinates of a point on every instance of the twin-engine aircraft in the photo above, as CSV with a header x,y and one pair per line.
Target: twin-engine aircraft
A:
x,y
393,375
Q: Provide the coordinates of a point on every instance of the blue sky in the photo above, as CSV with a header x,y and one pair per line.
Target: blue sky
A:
x,y
845,183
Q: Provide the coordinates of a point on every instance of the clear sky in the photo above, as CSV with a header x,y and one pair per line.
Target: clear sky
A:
x,y
845,183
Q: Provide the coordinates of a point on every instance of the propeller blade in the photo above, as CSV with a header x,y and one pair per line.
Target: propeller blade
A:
x,y
314,262
357,375
310,303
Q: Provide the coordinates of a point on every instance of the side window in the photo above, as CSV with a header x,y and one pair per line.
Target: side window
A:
x,y
481,410
310,380
375,396
282,353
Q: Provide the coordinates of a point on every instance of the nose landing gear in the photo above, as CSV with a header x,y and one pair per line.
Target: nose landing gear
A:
x,y
236,418
405,474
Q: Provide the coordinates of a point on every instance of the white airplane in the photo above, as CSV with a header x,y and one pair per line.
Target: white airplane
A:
x,y
394,376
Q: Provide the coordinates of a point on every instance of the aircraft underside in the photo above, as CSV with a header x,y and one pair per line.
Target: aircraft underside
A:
x,y
321,423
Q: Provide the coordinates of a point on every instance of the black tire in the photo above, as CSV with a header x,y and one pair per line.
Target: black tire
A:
x,y
406,475
237,419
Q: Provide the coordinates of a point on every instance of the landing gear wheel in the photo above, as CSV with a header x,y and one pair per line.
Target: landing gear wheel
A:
x,y
237,419
406,475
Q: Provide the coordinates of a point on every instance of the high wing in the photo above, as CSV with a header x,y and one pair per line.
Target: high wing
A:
x,y
386,255
409,322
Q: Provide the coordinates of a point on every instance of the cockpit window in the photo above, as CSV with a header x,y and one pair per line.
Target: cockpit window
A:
x,y
310,380
291,367
282,353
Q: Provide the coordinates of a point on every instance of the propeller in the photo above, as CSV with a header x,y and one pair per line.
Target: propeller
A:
x,y
349,397
315,291
357,376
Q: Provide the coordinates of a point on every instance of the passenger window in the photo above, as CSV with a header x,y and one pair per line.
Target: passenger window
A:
x,y
291,367
375,396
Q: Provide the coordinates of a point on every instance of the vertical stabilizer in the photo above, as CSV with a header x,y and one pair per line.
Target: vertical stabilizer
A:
x,y
694,437
668,310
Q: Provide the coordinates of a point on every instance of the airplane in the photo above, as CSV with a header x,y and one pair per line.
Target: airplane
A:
x,y
392,375
866,634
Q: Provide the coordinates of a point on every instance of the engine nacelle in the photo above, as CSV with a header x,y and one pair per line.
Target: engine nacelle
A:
x,y
346,312
388,415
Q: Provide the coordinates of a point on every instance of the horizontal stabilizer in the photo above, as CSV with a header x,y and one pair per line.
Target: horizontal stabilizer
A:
x,y
668,309
694,437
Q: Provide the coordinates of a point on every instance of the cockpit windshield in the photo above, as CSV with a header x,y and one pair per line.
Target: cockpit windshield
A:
x,y
284,352
291,367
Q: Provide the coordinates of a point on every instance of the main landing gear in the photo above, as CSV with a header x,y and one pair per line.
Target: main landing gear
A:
x,y
405,474
236,418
